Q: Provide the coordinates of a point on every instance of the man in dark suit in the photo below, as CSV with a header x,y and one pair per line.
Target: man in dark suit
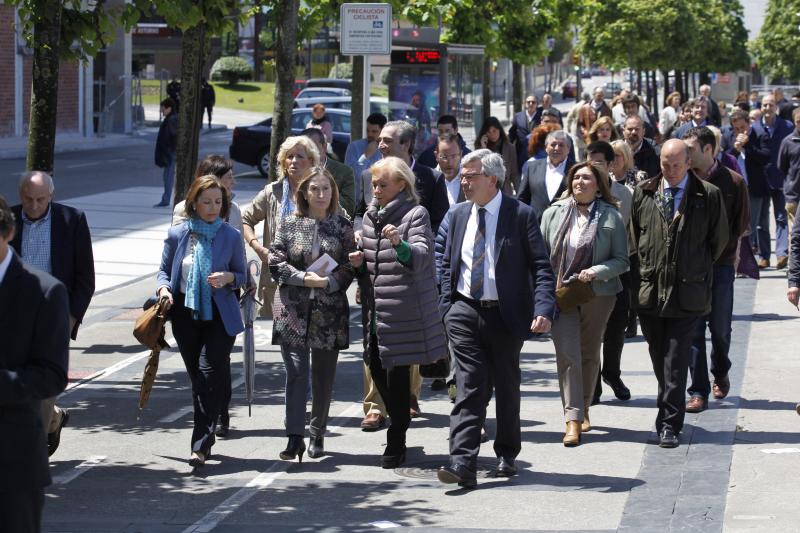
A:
x,y
645,156
700,109
55,239
599,104
444,124
342,174
397,139
714,116
34,326
543,181
497,288
521,127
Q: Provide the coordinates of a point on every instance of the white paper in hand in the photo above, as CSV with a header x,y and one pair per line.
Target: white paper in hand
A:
x,y
324,265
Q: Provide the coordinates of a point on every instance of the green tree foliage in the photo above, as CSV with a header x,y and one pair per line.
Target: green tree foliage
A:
x,y
231,70
777,48
694,35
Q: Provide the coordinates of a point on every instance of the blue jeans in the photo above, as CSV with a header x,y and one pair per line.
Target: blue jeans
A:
x,y
759,221
169,179
719,323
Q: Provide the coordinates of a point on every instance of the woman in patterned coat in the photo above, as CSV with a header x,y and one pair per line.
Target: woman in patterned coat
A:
x,y
310,309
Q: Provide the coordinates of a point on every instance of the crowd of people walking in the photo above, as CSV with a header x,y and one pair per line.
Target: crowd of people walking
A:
x,y
573,235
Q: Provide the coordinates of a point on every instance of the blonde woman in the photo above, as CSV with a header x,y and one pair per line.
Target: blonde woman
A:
x,y
296,157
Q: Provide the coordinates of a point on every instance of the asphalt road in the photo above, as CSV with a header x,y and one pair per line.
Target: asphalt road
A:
x,y
80,173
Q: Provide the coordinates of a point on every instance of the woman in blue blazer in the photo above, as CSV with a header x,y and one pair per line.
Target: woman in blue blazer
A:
x,y
201,267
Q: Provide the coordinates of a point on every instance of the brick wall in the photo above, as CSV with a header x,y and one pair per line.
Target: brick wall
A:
x,y
67,83
6,71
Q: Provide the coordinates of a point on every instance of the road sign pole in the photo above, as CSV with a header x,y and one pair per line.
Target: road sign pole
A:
x,y
365,100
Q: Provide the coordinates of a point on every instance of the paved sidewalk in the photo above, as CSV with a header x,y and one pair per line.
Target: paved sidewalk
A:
x,y
17,147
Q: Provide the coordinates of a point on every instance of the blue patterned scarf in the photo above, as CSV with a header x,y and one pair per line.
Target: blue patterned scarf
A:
x,y
288,206
198,291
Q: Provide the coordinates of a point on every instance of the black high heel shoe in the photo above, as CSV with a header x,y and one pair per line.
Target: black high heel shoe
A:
x,y
294,448
393,460
316,447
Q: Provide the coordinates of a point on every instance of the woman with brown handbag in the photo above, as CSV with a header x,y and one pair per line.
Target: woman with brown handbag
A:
x,y
587,242
201,267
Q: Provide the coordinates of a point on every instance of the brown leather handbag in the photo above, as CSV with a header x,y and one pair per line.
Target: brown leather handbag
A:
x,y
573,294
149,328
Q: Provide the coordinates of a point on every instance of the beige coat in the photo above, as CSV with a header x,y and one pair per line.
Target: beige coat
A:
x,y
265,207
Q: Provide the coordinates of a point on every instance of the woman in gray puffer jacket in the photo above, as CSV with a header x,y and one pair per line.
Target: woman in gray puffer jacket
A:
x,y
403,326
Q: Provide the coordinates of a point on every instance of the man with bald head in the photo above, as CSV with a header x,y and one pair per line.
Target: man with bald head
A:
x,y
679,229
55,239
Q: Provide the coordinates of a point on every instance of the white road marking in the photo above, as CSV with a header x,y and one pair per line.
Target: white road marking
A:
x,y
79,470
110,370
261,481
177,415
782,450
80,165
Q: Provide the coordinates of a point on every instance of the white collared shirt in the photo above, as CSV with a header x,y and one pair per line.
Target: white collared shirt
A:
x,y
5,263
553,178
465,277
453,188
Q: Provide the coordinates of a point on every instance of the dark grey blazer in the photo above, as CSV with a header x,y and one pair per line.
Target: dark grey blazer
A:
x,y
34,326
533,186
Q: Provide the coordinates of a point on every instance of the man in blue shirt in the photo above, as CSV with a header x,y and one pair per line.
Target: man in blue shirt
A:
x,y
363,153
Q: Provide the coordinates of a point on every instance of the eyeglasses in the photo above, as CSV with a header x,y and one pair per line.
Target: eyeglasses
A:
x,y
471,176
530,102
444,158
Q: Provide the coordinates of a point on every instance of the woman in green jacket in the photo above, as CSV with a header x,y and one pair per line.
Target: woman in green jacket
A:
x,y
587,243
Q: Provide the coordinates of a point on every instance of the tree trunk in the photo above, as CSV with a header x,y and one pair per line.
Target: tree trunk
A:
x,y
257,64
654,106
193,52
285,62
705,78
679,85
665,75
357,107
44,88
638,82
487,91
517,86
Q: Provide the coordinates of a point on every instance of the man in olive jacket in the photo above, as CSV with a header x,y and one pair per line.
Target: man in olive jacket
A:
x,y
680,229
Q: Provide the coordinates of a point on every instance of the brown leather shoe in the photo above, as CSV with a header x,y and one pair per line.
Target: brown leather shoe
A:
x,y
696,404
586,425
783,260
763,263
572,437
414,411
373,422
721,387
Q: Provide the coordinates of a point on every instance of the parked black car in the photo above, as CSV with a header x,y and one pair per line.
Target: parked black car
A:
x,y
250,145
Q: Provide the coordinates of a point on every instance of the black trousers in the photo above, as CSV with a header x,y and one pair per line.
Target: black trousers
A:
x,y
209,369
485,352
614,337
670,343
21,510
393,385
